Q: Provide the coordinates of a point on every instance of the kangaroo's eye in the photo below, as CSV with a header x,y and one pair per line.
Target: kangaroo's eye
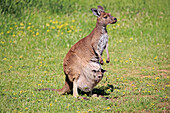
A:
x,y
105,17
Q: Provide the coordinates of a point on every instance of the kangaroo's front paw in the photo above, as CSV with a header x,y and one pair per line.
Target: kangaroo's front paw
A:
x,y
101,62
108,60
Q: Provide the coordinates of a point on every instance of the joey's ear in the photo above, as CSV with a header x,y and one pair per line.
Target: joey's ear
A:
x,y
103,71
95,12
100,8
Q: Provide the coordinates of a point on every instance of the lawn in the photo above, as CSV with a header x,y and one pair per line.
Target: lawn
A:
x,y
36,35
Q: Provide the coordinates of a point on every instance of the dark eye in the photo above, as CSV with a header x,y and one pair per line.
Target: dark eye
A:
x,y
94,71
105,17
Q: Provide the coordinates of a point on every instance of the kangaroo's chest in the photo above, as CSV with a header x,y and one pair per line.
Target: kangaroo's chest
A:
x,y
103,40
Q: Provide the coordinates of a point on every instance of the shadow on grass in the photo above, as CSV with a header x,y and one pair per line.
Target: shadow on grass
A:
x,y
102,90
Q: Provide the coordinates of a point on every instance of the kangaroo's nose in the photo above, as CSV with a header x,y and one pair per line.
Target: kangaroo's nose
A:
x,y
115,19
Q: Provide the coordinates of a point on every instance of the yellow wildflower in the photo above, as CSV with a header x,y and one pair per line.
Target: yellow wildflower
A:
x,y
53,27
5,59
104,60
108,108
47,24
130,59
108,90
20,92
20,57
21,24
90,110
155,57
167,85
66,24
51,104
156,78
73,21
10,67
37,33
59,26
11,28
28,27
22,27
48,30
131,38
72,27
45,71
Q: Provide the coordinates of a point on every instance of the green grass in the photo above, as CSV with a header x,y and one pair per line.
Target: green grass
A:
x,y
35,37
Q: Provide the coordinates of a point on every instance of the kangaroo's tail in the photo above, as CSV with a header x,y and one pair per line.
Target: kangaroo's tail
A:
x,y
46,89
67,88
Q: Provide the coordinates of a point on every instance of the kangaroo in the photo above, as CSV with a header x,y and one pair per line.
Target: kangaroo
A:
x,y
82,63
87,83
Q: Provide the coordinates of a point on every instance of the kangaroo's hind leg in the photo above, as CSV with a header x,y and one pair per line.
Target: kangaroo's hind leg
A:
x,y
75,88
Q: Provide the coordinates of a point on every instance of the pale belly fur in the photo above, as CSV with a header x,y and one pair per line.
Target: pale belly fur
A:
x,y
102,43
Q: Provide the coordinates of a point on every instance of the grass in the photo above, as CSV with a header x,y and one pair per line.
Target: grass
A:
x,y
35,38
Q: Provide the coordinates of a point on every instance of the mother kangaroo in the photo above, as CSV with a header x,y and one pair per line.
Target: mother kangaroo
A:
x,y
82,63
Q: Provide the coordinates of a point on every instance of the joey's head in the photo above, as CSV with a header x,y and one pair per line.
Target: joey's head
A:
x,y
98,75
103,18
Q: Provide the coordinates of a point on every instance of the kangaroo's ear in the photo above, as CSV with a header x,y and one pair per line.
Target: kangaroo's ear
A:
x,y
100,8
95,12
